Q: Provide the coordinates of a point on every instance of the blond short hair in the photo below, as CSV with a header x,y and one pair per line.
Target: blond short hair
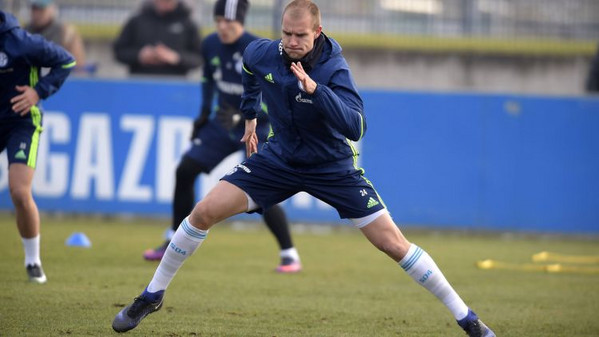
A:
x,y
296,8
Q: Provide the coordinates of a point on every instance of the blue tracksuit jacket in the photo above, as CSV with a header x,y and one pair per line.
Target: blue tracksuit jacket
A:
x,y
22,56
311,132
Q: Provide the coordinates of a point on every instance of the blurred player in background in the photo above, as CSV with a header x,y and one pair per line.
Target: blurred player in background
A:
x,y
22,55
161,40
214,139
44,21
315,110
592,83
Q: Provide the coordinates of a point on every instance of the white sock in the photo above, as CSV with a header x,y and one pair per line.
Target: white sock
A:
x,y
290,253
32,250
184,242
421,267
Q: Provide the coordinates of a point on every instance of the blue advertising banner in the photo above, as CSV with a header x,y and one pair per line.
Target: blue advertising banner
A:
x,y
443,160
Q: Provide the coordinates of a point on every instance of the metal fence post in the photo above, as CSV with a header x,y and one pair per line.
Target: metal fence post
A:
x,y
277,11
469,9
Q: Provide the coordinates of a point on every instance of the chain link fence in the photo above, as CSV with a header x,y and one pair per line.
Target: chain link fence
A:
x,y
381,23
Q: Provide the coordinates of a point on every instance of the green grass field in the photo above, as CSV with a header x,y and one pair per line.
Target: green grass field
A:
x,y
228,288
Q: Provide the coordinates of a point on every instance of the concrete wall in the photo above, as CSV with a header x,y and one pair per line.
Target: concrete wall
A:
x,y
437,72
478,73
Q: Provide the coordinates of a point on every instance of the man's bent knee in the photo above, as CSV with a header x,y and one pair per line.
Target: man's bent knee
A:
x,y
386,236
20,177
21,196
203,215
393,248
223,201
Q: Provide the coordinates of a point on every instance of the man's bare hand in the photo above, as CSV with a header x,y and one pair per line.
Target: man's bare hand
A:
x,y
22,103
167,55
250,138
147,56
307,82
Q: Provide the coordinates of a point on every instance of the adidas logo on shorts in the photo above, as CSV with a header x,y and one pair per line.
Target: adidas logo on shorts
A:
x,y
372,203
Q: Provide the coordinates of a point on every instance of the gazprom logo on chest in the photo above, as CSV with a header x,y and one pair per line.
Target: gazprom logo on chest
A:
x,y
299,99
3,59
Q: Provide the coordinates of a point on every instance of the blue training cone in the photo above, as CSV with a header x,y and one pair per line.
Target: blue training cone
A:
x,y
78,239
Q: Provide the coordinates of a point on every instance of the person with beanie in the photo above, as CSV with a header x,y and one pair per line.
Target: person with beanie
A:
x,y
213,139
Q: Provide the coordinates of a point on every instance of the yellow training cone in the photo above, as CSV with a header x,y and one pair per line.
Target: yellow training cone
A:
x,y
549,268
555,257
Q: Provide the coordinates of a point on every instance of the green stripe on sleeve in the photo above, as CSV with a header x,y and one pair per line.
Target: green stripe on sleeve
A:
x,y
264,107
270,133
361,126
33,79
69,65
247,70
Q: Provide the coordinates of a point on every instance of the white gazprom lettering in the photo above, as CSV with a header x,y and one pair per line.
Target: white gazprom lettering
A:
x,y
300,99
245,168
93,158
52,169
173,141
130,188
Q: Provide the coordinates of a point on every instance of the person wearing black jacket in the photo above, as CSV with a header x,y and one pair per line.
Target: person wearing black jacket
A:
x,y
161,40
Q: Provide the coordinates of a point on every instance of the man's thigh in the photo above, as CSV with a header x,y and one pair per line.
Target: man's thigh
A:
x,y
222,202
350,193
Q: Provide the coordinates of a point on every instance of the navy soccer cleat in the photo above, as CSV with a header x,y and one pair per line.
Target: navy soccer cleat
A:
x,y
131,315
36,273
474,327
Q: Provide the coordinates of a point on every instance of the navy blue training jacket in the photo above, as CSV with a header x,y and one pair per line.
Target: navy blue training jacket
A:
x,y
22,55
311,132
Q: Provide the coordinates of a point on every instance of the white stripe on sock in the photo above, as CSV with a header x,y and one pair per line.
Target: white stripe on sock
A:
x,y
422,269
184,243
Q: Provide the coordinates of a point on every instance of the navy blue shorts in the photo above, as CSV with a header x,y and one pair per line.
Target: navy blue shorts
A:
x,y
213,143
21,139
349,192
